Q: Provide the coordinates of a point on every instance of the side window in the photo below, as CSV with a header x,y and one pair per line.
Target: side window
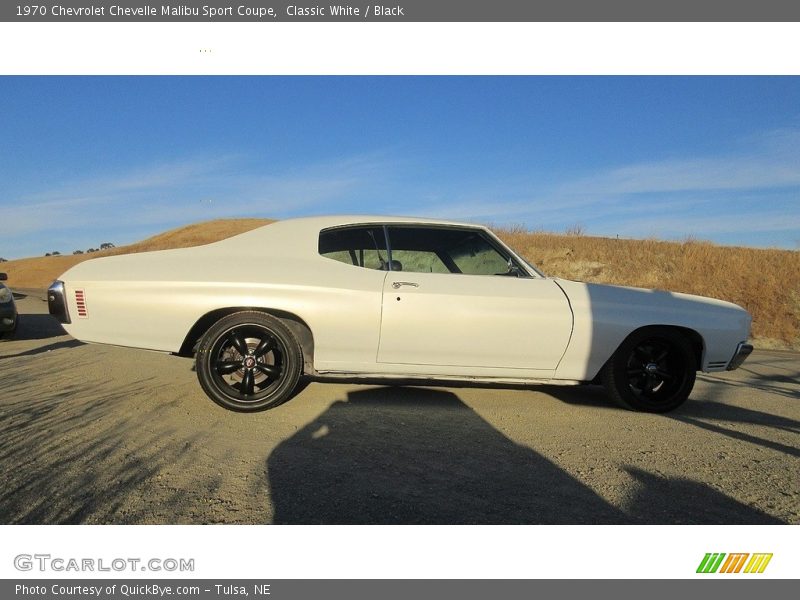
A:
x,y
358,246
417,261
475,256
445,250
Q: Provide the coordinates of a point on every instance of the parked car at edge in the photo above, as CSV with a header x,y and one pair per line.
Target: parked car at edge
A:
x,y
8,310
395,299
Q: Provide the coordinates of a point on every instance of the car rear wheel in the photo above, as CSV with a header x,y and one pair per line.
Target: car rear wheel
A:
x,y
653,370
249,361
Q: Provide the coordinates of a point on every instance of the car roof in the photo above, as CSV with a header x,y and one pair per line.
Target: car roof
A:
x,y
322,222
301,235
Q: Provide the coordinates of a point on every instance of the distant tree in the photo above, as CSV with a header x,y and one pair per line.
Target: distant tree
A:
x,y
78,252
92,250
106,245
48,254
56,253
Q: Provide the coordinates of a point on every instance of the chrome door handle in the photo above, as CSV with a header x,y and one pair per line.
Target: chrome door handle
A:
x,y
397,284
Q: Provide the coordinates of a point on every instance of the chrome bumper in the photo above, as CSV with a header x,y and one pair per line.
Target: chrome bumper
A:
x,y
57,302
742,352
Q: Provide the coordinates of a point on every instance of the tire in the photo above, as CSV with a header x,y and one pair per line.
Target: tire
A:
x,y
654,370
249,361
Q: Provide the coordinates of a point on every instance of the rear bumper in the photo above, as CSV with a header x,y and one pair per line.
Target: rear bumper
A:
x,y
57,302
742,352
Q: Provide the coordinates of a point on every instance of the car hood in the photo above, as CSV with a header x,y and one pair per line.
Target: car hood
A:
x,y
670,306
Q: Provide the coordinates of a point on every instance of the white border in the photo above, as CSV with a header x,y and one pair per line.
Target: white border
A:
x,y
399,48
407,552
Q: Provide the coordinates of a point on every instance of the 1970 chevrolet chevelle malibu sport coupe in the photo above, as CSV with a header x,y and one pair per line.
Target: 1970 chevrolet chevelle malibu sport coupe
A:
x,y
395,299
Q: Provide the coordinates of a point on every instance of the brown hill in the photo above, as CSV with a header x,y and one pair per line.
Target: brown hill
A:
x,y
765,282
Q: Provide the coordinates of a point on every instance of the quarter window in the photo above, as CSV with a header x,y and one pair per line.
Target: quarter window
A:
x,y
359,246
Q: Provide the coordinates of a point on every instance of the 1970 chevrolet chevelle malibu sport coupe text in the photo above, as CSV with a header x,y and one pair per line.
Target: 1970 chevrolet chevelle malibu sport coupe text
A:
x,y
393,298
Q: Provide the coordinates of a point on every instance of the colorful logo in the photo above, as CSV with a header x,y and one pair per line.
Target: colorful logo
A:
x,y
713,563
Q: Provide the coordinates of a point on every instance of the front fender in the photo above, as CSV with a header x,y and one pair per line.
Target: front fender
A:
x,y
605,315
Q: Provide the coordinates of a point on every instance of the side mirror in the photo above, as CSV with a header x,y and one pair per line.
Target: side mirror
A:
x,y
514,270
3,277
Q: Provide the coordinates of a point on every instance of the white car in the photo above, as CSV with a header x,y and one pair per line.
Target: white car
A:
x,y
396,299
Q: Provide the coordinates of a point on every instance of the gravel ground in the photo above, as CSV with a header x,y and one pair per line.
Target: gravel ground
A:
x,y
98,434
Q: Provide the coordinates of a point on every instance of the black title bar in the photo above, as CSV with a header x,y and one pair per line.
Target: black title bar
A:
x,y
403,589
405,10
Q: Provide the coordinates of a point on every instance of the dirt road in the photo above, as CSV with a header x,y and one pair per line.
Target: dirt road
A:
x,y
95,434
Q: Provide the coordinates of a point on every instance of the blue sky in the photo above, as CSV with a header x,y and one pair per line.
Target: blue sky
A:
x,y
85,160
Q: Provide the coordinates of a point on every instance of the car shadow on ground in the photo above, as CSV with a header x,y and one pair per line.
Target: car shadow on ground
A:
x,y
38,327
409,455
34,327
580,395
43,349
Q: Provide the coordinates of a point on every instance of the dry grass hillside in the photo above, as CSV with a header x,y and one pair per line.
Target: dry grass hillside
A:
x,y
765,282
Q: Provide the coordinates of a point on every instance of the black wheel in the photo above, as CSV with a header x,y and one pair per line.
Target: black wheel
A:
x,y
652,371
249,361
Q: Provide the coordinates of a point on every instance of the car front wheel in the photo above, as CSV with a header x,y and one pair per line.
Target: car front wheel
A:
x,y
653,370
249,361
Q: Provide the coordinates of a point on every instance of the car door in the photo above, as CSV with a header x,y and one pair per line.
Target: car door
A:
x,y
462,312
